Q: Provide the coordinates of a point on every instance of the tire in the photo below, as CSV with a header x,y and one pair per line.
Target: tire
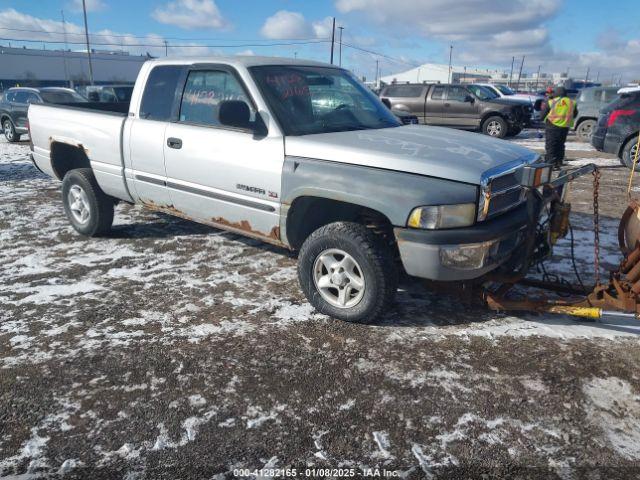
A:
x,y
88,208
512,132
629,152
10,131
374,268
495,127
584,130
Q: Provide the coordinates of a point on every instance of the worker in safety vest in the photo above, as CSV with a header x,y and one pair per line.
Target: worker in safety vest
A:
x,y
558,113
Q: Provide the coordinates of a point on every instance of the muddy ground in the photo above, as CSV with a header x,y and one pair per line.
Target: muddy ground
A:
x,y
174,350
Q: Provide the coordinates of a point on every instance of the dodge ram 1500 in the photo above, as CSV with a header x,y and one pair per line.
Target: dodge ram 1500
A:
x,y
302,155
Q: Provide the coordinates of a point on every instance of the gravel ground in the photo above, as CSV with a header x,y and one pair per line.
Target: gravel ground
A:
x,y
174,350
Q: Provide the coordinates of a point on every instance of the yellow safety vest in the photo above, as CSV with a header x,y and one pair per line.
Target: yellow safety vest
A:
x,y
561,112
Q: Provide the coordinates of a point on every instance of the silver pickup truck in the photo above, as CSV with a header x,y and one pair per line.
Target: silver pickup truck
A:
x,y
302,155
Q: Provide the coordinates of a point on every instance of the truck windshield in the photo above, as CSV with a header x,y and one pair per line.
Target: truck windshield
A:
x,y
483,93
505,90
308,100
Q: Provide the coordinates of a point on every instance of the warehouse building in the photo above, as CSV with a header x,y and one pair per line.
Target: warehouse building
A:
x,y
29,67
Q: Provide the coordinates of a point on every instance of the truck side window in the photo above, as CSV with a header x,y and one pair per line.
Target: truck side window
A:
x,y
438,93
159,92
457,94
203,93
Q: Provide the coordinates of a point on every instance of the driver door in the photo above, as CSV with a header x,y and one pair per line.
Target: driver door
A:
x,y
458,110
217,174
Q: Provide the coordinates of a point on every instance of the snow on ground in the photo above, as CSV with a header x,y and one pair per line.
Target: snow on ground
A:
x,y
170,340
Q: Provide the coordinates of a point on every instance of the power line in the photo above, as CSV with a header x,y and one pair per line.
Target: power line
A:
x,y
160,44
381,55
184,39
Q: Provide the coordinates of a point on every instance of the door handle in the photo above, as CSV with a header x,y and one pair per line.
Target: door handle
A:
x,y
174,142
447,104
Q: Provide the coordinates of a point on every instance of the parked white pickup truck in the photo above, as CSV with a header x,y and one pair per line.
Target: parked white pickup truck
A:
x,y
302,155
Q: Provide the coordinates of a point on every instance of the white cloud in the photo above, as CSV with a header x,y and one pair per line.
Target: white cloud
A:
x,y
247,52
46,30
286,25
191,14
454,20
92,5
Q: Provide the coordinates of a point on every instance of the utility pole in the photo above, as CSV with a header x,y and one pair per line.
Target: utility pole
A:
x,y
586,78
86,34
333,38
520,74
598,75
340,54
377,84
538,77
66,47
166,48
464,75
513,59
450,58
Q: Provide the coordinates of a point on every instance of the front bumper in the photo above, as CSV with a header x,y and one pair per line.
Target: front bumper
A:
x,y
462,253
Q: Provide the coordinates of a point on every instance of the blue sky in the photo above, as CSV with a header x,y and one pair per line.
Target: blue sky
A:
x,y
555,34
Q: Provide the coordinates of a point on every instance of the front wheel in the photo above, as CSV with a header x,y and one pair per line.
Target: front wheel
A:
x,y
495,127
585,130
88,208
346,272
10,131
629,153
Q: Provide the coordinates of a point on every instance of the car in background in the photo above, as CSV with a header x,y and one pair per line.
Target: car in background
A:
x,y
107,93
590,101
507,92
15,104
467,107
618,128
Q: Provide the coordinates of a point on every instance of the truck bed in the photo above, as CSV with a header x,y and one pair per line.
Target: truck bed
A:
x,y
93,130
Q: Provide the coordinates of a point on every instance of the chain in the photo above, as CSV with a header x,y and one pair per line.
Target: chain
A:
x,y
596,224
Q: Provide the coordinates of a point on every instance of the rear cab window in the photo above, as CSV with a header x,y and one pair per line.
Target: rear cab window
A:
x,y
404,91
438,93
160,92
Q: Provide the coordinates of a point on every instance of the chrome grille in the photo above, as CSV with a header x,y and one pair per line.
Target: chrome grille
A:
x,y
500,189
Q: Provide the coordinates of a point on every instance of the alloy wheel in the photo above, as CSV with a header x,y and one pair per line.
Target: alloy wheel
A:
x,y
339,278
79,204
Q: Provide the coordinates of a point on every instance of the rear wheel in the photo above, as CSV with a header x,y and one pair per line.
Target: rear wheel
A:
x,y
495,127
347,273
629,153
585,130
10,131
88,208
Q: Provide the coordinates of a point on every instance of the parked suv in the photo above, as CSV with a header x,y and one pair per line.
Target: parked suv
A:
x,y
468,107
15,103
590,101
618,128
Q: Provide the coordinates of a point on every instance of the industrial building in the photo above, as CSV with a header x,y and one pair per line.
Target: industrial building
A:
x,y
439,73
30,67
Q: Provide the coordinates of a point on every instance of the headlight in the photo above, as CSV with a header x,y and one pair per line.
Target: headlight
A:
x,y
443,216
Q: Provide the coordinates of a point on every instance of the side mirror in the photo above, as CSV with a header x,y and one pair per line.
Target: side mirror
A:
x,y
537,106
234,113
386,102
469,99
